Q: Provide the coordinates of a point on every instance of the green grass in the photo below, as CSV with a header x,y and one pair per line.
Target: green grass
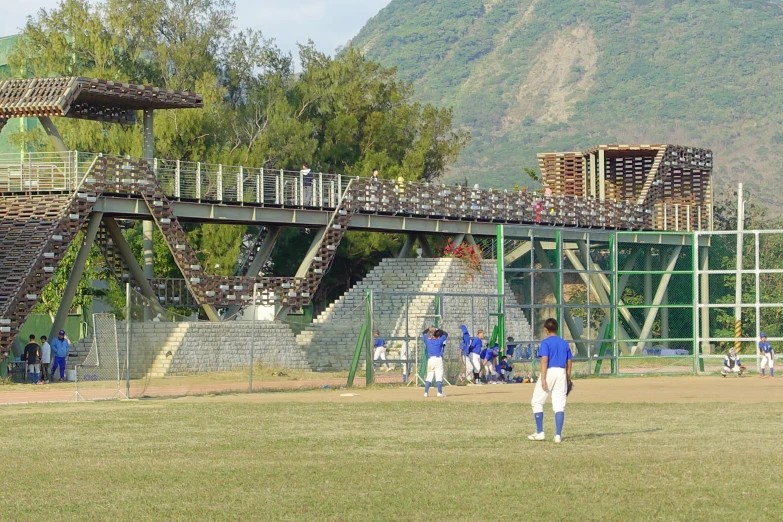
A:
x,y
226,460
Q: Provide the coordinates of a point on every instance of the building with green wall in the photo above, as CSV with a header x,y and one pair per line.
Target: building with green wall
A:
x,y
7,44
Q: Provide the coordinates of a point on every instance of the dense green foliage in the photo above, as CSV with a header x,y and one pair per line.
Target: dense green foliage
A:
x,y
346,115
528,76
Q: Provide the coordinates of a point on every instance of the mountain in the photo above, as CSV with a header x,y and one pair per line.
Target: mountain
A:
x,y
528,76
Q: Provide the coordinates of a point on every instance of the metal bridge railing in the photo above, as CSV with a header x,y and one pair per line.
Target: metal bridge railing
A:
x,y
43,172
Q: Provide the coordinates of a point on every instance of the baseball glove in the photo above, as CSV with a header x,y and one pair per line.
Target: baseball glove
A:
x,y
570,388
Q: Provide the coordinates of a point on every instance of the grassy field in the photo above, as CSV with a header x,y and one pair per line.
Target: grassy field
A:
x,y
393,456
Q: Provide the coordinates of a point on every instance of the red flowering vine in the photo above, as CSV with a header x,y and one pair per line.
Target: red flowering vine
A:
x,y
468,255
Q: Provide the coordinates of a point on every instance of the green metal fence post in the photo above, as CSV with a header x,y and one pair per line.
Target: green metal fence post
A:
x,y
356,355
559,281
368,378
698,362
501,280
614,244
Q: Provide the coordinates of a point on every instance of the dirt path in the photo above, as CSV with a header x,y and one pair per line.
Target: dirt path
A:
x,y
749,389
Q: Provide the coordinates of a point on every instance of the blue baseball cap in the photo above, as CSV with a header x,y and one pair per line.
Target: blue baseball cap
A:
x,y
763,335
61,332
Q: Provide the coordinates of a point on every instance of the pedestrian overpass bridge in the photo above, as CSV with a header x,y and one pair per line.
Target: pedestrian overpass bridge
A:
x,y
48,198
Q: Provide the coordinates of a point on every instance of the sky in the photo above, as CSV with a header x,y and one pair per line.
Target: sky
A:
x,y
328,23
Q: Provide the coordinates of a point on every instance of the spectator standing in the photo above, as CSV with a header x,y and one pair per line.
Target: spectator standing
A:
x,y
60,349
307,185
46,358
32,356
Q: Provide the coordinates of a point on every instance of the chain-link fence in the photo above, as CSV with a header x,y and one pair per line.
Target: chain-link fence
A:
x,y
397,321
740,297
100,375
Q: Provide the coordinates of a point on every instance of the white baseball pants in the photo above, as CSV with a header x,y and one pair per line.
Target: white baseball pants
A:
x,y
380,353
473,363
736,369
766,359
435,369
558,386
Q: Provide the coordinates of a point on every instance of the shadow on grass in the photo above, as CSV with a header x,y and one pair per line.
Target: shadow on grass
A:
x,y
588,436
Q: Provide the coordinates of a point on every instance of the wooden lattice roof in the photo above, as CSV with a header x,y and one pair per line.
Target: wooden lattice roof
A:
x,y
86,98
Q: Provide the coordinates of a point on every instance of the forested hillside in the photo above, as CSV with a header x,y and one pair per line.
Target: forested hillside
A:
x,y
526,76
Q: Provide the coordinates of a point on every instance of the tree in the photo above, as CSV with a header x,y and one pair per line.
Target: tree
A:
x,y
345,114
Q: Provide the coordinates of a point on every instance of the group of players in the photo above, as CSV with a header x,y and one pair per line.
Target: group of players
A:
x,y
733,365
555,376
478,358
554,380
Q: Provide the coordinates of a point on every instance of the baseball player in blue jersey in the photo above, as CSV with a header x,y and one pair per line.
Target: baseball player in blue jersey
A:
x,y
464,346
380,349
434,339
490,373
555,375
474,356
767,355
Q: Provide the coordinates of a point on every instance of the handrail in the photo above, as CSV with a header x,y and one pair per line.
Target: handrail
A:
x,y
222,184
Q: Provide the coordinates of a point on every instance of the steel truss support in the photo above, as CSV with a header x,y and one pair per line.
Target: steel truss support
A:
x,y
596,283
518,252
407,246
54,137
259,260
76,274
264,252
659,297
569,321
126,253
426,251
472,242
304,267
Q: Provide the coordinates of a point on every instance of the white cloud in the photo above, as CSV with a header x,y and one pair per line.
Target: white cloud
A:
x,y
329,23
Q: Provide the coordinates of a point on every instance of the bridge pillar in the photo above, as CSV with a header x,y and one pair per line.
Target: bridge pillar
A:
x,y
426,251
405,251
147,227
259,260
76,274
304,267
458,239
54,136
262,256
472,242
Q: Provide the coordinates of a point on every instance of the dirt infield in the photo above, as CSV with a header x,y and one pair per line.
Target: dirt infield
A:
x,y
680,389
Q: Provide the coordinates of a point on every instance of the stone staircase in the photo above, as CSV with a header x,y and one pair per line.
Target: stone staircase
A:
x,y
331,339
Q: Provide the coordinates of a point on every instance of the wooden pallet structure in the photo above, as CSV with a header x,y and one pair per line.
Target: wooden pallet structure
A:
x,y
671,183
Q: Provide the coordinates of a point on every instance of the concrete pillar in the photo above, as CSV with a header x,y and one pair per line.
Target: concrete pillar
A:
x,y
148,152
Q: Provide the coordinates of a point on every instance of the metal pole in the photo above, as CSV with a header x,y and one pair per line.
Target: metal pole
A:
x,y
738,286
148,250
127,338
501,281
253,337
